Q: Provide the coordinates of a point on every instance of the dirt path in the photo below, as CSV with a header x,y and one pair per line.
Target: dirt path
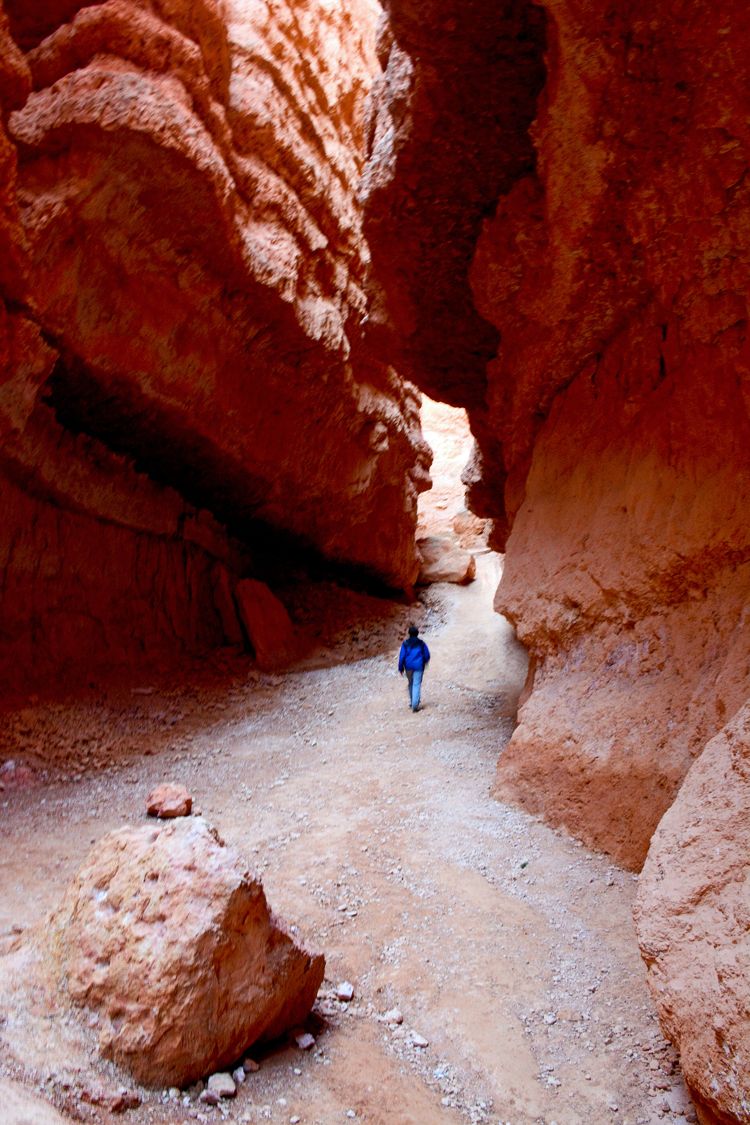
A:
x,y
504,944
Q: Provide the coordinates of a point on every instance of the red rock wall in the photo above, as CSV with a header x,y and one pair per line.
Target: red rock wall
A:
x,y
613,419
613,428
693,921
624,330
185,276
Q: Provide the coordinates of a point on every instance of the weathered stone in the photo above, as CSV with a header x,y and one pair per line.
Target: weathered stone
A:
x,y
611,407
444,561
167,801
223,1085
266,622
469,529
693,924
162,930
151,143
345,991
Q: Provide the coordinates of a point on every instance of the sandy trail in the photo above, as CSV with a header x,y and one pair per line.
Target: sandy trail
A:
x,y
505,945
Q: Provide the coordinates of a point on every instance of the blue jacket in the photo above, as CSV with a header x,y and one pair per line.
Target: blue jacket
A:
x,y
414,655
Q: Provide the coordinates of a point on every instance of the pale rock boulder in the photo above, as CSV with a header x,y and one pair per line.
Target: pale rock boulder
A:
x,y
444,561
167,938
470,530
21,1107
693,922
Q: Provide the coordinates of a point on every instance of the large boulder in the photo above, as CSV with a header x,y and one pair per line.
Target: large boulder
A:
x,y
444,561
693,921
168,940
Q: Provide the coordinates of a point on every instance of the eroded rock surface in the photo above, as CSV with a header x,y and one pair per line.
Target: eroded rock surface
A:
x,y
693,921
185,393
167,801
266,622
443,560
612,418
169,941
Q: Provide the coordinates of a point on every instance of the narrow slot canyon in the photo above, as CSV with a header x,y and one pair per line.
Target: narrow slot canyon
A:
x,y
323,324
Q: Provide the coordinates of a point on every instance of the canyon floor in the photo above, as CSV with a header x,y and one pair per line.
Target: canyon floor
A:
x,y
506,945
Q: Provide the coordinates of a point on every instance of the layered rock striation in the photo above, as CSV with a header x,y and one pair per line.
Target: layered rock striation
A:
x,y
186,394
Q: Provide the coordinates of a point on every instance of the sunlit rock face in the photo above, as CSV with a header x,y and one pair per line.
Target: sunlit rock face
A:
x,y
612,417
191,387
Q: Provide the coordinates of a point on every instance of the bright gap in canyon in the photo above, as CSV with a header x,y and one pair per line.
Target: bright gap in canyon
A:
x,y
321,321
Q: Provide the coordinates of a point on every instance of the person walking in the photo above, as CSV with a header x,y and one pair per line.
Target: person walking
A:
x,y
413,659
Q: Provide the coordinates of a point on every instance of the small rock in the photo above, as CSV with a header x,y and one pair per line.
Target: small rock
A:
x,y
222,1084
393,1015
550,1018
294,1120
250,1066
418,1040
209,1097
345,991
350,1113
168,801
239,1075
124,1100
13,773
304,1040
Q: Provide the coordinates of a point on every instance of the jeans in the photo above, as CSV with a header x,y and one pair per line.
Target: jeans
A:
x,y
415,686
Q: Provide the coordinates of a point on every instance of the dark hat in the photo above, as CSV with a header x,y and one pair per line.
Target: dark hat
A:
x,y
413,631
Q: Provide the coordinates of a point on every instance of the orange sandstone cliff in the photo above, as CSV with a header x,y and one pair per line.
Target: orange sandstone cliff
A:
x,y
620,393
607,373
602,248
210,303
185,397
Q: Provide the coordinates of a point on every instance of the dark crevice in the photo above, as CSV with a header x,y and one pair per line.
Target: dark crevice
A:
x,y
461,143
175,457
31,22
